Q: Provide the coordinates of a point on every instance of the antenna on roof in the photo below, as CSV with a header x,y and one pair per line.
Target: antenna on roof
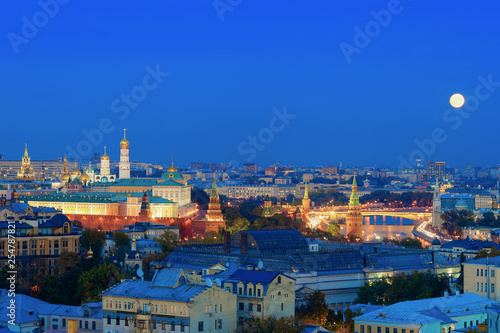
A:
x,y
218,282
209,282
260,264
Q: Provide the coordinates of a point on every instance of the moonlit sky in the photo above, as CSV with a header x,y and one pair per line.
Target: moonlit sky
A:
x,y
226,77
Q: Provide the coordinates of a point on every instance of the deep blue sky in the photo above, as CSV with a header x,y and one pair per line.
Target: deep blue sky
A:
x,y
226,77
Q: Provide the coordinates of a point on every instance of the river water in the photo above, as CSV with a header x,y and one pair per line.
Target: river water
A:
x,y
378,227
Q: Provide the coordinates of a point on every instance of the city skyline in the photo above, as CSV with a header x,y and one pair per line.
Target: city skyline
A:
x,y
207,80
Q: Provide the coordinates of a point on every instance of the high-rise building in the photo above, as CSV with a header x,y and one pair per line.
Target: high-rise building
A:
x,y
435,169
469,171
124,164
354,220
251,167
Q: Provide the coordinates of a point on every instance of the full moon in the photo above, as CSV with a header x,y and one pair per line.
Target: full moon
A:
x,y
457,100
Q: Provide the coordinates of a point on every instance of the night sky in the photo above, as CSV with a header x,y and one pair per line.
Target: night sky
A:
x,y
297,82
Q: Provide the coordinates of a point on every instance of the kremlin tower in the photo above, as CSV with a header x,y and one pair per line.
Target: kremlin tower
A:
x,y
25,172
354,220
306,202
124,164
214,212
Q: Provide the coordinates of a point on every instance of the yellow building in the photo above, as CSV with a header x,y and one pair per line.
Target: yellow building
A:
x,y
40,239
261,294
168,303
481,277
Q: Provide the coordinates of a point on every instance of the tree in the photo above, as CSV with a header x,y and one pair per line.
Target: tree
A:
x,y
403,287
95,239
341,321
411,243
272,324
333,229
168,241
122,244
67,260
93,282
238,224
315,310
490,254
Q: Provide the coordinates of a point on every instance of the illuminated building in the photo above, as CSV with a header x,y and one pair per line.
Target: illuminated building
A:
x,y
435,169
75,173
40,238
26,172
105,175
213,219
65,176
354,219
306,202
124,165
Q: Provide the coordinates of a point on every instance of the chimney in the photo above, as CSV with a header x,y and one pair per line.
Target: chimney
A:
x,y
227,241
244,243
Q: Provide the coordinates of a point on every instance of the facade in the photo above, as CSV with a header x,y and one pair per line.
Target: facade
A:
x,y
468,247
88,317
247,191
481,277
435,170
17,210
261,294
124,165
41,239
105,175
354,219
25,172
433,315
168,303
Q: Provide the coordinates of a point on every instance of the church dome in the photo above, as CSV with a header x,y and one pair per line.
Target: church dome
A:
x,y
75,172
124,144
84,178
65,177
436,242
172,168
104,157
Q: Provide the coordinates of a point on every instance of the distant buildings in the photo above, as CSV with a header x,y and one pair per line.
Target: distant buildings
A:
x,y
214,220
329,170
468,247
250,167
435,170
440,314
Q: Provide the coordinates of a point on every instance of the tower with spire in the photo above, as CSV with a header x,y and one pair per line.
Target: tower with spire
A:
x,y
25,172
354,220
306,202
214,211
124,165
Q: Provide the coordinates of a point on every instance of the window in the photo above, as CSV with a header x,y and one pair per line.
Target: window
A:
x,y
387,330
93,325
471,323
249,291
492,287
250,307
117,321
172,326
200,326
240,291
281,306
259,308
403,330
481,272
86,324
80,324
109,320
240,321
64,322
54,327
279,279
215,308
362,328
369,329
395,330
182,327
492,273
43,321
164,325
126,321
242,306
379,329
481,286
477,286
477,273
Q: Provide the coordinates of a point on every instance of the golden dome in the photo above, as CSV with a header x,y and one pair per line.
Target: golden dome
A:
x,y
104,157
65,177
84,178
124,144
172,168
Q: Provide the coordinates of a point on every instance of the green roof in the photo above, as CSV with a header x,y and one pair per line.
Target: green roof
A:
x,y
146,182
